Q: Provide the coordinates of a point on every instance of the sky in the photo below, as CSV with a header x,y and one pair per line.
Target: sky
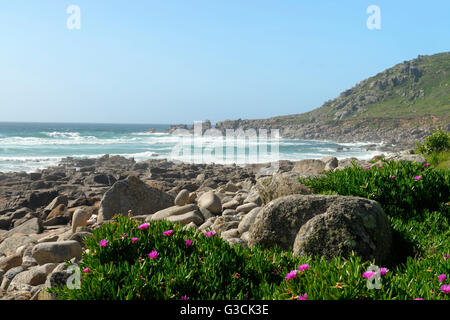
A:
x,y
179,61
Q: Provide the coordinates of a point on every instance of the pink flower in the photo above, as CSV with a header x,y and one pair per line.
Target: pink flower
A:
x,y
445,288
168,232
393,177
303,267
366,168
153,255
303,297
383,271
123,236
446,256
291,275
368,274
417,177
442,277
419,299
144,226
103,243
86,270
188,242
134,239
426,164
210,233
184,298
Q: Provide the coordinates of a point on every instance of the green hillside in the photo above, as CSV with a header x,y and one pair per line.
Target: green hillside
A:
x,y
412,88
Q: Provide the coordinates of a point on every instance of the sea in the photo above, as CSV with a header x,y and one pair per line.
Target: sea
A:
x,y
32,146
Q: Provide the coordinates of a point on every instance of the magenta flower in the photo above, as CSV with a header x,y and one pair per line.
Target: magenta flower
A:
x,y
188,242
445,288
291,275
103,243
86,270
144,226
426,164
383,271
419,299
366,168
153,255
303,267
442,277
303,297
393,177
446,256
134,239
184,298
368,274
417,177
210,233
123,236
168,232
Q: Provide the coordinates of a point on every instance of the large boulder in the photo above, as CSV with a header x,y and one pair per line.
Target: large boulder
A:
x,y
32,226
62,199
248,220
10,244
32,277
280,185
210,201
186,218
55,252
10,262
324,225
172,211
182,198
309,166
132,194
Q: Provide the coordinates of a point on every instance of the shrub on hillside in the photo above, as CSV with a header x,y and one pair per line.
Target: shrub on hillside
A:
x,y
438,141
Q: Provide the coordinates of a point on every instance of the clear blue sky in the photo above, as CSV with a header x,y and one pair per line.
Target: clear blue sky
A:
x,y
178,61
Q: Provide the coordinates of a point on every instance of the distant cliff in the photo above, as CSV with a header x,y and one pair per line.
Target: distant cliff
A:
x,y
398,106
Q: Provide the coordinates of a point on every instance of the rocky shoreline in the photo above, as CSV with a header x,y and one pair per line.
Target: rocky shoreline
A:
x,y
45,215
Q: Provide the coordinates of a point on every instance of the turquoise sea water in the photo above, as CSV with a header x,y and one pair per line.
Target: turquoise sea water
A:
x,y
31,146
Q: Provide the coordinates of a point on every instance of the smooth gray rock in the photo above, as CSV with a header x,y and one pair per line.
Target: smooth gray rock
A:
x,y
172,211
182,198
132,194
248,220
55,252
209,200
186,218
